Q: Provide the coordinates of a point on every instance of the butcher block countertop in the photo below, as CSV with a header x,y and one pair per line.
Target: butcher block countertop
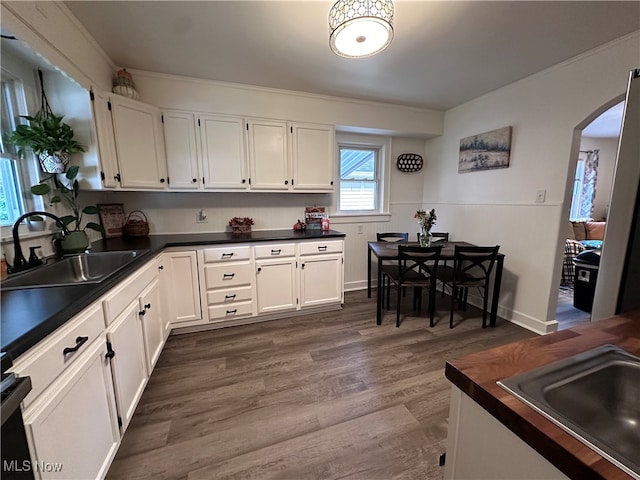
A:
x,y
476,376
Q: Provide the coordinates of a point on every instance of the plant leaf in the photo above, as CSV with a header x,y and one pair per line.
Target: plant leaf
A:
x,y
67,219
72,172
90,210
40,189
95,226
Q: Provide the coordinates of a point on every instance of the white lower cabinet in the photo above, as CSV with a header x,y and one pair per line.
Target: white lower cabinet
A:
x,y
321,273
153,329
180,286
275,284
128,365
73,430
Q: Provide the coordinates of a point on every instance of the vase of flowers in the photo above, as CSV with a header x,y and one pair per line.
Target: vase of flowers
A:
x,y
426,220
241,224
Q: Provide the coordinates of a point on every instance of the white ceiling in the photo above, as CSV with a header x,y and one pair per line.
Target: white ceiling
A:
x,y
443,53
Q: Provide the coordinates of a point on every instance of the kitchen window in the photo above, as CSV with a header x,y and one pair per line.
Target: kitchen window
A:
x,y
363,175
16,174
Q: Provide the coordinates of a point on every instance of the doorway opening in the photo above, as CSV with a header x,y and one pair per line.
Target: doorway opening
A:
x,y
592,184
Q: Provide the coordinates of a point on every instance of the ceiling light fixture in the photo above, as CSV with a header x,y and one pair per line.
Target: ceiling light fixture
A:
x,y
360,28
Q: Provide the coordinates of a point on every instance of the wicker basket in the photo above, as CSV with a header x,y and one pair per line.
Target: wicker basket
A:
x,y
136,225
241,228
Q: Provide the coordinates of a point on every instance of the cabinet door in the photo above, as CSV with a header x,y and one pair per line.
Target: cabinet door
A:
x,y
152,325
320,279
181,286
275,285
106,142
313,153
222,143
76,427
181,150
128,364
268,155
139,144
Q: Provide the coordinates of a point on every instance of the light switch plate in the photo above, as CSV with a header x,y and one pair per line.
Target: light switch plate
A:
x,y
540,196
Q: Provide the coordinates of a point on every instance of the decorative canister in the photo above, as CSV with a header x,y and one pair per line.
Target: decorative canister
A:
x,y
124,85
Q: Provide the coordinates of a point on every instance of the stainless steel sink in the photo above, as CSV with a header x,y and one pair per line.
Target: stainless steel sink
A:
x,y
594,396
77,269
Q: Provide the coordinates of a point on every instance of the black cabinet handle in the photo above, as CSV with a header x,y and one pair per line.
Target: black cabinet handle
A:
x,y
259,269
79,342
228,275
160,267
276,252
162,180
142,313
116,177
147,306
244,180
286,182
110,353
229,296
235,310
302,266
227,255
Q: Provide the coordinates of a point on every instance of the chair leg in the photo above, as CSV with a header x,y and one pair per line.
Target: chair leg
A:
x,y
453,299
398,303
388,292
464,299
432,302
485,301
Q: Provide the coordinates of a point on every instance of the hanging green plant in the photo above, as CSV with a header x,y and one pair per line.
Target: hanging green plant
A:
x,y
47,136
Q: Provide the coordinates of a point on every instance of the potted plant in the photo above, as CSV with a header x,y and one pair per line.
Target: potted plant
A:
x,y
48,136
65,189
241,224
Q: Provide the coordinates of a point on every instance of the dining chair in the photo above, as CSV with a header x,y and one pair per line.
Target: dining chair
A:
x,y
416,267
472,268
389,237
438,238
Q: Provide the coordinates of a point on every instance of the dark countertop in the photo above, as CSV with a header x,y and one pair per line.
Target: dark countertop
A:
x,y
476,376
28,315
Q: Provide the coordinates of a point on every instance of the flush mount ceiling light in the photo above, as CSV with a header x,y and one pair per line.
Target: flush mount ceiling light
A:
x,y
360,28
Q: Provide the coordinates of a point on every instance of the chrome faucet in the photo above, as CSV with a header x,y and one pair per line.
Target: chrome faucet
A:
x,y
19,262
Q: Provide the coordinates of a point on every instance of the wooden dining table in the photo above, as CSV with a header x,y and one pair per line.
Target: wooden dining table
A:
x,y
388,251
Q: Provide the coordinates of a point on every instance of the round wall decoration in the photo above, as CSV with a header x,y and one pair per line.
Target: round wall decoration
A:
x,y
409,162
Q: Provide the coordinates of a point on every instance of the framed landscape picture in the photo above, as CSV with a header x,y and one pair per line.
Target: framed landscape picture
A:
x,y
485,151
111,218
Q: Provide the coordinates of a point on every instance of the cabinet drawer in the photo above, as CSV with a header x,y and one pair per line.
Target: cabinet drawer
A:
x,y
123,294
274,251
232,295
313,248
227,254
47,360
227,312
230,275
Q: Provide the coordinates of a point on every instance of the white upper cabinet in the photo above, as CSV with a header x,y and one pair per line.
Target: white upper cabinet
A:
x,y
139,144
222,143
181,149
312,156
268,154
106,143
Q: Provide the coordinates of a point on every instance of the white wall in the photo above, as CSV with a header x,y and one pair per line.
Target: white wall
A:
x,y
606,165
498,207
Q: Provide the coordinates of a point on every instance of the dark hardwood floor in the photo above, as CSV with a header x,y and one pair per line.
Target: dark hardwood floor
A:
x,y
324,396
566,314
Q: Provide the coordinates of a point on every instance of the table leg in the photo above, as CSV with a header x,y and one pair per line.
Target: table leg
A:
x,y
496,291
379,295
368,272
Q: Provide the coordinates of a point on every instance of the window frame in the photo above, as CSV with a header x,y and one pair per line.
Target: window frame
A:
x,y
382,145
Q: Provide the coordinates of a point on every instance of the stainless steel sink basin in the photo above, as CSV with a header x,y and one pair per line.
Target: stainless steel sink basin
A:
x,y
594,396
77,269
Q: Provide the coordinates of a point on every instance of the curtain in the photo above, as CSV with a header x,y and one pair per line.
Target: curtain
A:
x,y
589,180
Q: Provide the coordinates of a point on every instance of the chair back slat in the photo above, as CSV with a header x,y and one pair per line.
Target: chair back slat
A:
x,y
392,237
415,260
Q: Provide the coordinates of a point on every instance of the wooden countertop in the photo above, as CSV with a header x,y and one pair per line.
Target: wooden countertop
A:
x,y
476,376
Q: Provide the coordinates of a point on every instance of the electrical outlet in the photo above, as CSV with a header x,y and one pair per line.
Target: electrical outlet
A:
x,y
201,216
360,229
540,196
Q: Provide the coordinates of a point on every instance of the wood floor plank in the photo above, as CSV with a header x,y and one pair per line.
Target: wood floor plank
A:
x,y
325,396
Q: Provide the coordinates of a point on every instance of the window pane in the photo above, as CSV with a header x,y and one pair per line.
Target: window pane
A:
x,y
10,197
357,196
357,164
